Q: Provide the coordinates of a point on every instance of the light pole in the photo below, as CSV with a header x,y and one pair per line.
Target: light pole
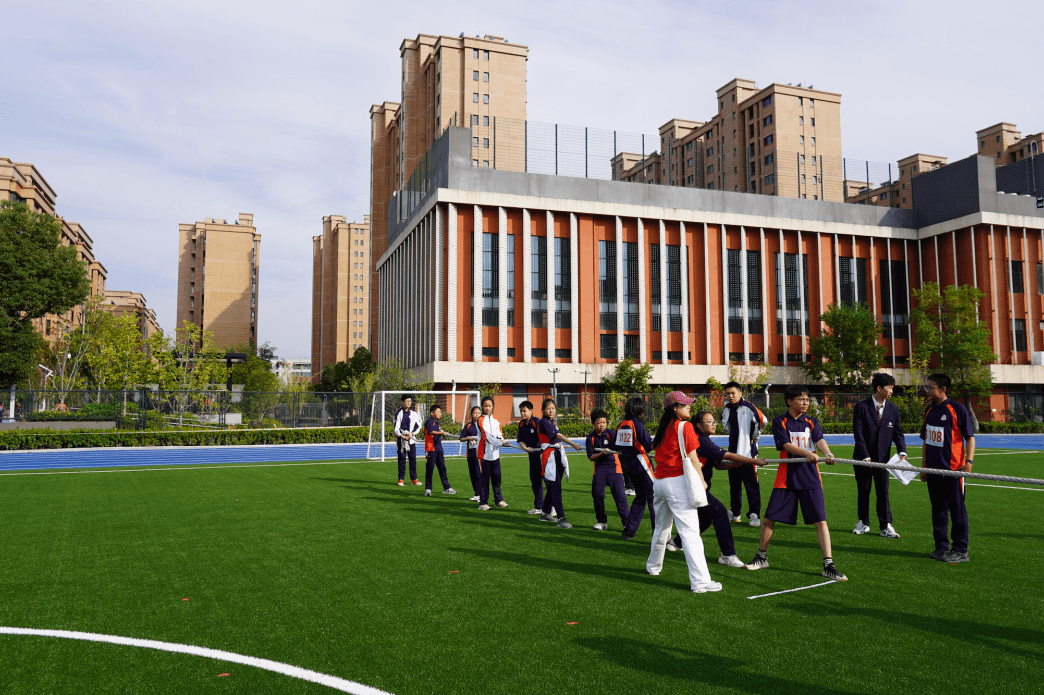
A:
x,y
586,373
554,384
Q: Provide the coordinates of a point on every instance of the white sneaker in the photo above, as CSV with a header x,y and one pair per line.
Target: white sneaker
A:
x,y
630,492
671,546
707,587
730,560
889,532
449,491
484,507
502,504
427,493
600,527
860,528
534,510
732,517
654,574
473,499
754,521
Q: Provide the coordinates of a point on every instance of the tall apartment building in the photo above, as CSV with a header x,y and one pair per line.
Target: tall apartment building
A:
x,y
124,303
340,290
218,265
476,82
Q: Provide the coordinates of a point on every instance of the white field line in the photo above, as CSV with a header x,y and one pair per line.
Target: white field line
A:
x,y
197,467
345,686
788,591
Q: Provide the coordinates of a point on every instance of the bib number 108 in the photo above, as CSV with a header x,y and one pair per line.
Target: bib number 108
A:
x,y
934,436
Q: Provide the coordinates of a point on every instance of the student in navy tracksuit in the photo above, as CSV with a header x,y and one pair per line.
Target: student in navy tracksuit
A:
x,y
743,422
433,453
470,433
407,425
634,443
553,463
607,470
947,425
715,514
876,425
529,441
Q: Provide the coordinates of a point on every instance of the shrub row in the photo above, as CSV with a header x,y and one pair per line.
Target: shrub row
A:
x,y
1011,427
37,439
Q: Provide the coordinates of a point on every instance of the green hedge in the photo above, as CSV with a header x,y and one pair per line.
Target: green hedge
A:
x,y
48,439
1011,427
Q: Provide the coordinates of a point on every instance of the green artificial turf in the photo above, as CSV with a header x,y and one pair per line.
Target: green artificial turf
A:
x,y
335,569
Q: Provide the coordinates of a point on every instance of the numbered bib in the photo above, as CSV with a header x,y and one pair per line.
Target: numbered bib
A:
x,y
934,436
802,440
625,437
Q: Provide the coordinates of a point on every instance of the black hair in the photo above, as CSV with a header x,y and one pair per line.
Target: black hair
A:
x,y
794,391
526,404
670,414
634,408
404,396
598,413
732,385
881,379
488,398
473,409
435,407
941,380
698,419
543,406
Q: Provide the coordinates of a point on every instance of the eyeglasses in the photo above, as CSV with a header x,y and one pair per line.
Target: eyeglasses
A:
x,y
931,388
709,422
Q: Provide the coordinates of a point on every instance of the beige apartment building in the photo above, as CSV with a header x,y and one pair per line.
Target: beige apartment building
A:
x,y
218,265
475,82
340,290
125,303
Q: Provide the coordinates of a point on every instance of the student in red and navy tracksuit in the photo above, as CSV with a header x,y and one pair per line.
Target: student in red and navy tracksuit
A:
x,y
553,463
946,425
529,441
433,435
798,482
712,456
634,442
607,470
743,422
471,434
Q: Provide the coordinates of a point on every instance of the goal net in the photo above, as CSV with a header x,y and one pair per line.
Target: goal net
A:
x,y
456,412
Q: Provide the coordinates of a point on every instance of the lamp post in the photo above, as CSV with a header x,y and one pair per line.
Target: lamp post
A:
x,y
554,384
586,373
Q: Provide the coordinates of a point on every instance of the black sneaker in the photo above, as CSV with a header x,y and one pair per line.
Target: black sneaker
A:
x,y
938,554
627,536
954,557
759,562
831,572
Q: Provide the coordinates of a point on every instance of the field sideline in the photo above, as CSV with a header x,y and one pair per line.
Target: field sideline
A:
x,y
335,569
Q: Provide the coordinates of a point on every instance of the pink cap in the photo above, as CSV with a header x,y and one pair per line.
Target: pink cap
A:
x,y
676,397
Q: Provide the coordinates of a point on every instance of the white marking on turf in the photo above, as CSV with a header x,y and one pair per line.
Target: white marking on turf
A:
x,y
197,467
800,588
334,682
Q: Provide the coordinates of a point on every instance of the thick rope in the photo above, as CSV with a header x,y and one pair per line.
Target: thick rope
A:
x,y
930,471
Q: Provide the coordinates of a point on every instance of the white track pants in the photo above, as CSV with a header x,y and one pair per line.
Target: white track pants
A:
x,y
671,504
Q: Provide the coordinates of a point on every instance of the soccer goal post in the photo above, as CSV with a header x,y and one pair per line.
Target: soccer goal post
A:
x,y
456,407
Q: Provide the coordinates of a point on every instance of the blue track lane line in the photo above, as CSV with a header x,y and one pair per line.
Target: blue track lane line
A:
x,y
122,457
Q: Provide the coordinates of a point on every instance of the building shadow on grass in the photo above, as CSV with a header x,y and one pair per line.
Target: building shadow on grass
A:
x,y
1001,638
701,670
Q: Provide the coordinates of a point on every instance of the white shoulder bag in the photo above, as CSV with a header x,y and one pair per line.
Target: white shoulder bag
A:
x,y
693,481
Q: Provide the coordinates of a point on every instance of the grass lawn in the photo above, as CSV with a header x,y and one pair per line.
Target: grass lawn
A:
x,y
335,569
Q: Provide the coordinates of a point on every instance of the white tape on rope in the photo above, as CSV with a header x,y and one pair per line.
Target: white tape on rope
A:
x,y
345,686
789,591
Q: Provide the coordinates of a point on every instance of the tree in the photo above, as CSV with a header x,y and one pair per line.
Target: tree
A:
x,y
260,386
187,364
71,350
118,360
948,335
847,353
627,378
338,376
40,276
750,377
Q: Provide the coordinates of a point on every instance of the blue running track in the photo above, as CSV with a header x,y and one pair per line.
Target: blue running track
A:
x,y
122,457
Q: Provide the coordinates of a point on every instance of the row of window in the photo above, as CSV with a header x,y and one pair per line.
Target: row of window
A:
x,y
475,98
475,76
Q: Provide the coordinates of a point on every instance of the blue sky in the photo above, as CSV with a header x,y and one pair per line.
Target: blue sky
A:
x,y
144,115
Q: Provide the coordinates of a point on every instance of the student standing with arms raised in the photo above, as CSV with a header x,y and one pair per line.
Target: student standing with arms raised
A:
x,y
675,444
947,425
876,426
743,422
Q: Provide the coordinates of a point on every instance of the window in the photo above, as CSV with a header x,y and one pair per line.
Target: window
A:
x,y
813,122
753,270
485,143
540,353
710,151
510,284
998,138
796,317
769,158
474,162
801,120
710,186
813,156
801,139
813,141
801,101
566,353
657,355
474,142
474,119
474,97
853,280
485,120
608,345
688,146
485,78
1016,276
767,120
490,352
654,282
812,103
1040,278
490,279
474,75
607,287
768,139
674,287
485,164
485,100
770,178
563,280
675,355
1020,335
630,286
689,162
485,55
802,178
815,182
767,101
710,169
474,53
802,158
690,178
631,347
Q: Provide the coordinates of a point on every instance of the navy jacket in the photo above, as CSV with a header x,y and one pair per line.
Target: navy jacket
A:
x,y
874,439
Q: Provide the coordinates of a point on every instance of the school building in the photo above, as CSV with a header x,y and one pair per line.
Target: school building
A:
x,y
503,276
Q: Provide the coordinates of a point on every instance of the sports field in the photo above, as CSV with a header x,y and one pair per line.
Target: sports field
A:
x,y
331,567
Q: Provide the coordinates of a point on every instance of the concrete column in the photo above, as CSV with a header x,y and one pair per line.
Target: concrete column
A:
x,y
619,291
726,341
1011,294
801,293
764,298
1026,295
993,291
549,259
643,328
574,286
783,283
975,268
706,282
744,304
906,283
891,299
451,285
953,245
502,290
870,280
837,270
684,293
938,277
665,320
527,289
440,313
476,285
